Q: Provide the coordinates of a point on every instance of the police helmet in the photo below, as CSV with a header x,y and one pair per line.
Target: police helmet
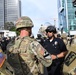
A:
x,y
24,22
51,29
39,35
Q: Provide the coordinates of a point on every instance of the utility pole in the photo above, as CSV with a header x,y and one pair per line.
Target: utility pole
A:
x,y
55,22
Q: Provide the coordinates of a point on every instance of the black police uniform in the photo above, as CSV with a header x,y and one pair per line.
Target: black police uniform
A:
x,y
56,46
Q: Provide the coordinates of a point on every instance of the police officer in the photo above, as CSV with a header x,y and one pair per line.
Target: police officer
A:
x,y
27,56
56,47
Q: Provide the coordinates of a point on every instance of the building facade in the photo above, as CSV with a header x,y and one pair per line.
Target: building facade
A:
x,y
67,16
1,13
11,11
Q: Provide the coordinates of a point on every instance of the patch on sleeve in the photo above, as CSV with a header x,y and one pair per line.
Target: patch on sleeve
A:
x,y
2,59
37,48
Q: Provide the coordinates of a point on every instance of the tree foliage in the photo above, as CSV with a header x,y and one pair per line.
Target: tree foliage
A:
x,y
11,27
8,25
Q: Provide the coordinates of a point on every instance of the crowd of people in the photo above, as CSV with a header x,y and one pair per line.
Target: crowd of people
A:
x,y
3,43
30,56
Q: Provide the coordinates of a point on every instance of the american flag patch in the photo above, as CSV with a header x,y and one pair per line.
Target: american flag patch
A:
x,y
2,59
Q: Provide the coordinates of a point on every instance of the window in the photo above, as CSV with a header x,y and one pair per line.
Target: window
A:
x,y
74,3
75,13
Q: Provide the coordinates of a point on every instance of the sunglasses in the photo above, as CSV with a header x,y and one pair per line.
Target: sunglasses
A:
x,y
48,31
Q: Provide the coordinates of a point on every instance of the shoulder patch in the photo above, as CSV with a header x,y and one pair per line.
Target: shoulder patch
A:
x,y
2,59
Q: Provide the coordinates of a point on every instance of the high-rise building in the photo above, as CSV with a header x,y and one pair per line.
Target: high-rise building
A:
x,y
10,11
1,13
74,3
67,15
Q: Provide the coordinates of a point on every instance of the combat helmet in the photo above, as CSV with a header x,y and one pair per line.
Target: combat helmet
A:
x,y
51,29
42,31
24,22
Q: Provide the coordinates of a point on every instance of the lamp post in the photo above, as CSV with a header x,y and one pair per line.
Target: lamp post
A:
x,y
54,22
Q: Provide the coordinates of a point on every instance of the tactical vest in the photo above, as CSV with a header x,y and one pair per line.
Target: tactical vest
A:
x,y
23,59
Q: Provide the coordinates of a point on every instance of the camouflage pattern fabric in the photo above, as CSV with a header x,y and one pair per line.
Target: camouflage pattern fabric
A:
x,y
27,57
5,68
64,35
69,67
24,22
73,71
74,40
42,31
65,41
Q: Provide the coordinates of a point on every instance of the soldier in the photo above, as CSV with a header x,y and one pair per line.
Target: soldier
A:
x,y
5,68
42,31
74,39
64,38
27,56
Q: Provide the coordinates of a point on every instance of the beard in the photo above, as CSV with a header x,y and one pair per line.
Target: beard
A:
x,y
50,37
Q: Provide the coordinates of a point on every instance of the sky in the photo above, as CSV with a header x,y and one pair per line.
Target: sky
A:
x,y
41,12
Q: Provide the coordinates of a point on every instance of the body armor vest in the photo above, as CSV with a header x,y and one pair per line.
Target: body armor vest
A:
x,y
23,60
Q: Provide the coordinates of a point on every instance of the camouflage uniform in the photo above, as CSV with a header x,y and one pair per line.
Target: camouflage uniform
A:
x,y
27,56
69,67
64,37
74,39
5,68
42,31
72,72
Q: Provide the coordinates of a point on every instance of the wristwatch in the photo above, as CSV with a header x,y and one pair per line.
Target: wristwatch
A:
x,y
56,57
